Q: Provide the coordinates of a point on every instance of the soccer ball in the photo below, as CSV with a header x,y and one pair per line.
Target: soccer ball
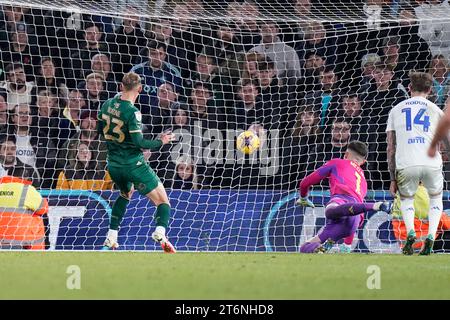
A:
x,y
248,142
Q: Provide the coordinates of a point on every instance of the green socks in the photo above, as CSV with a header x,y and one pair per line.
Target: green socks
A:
x,y
118,211
162,215
411,233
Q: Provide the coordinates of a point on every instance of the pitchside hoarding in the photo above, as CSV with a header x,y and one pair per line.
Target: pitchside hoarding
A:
x,y
207,220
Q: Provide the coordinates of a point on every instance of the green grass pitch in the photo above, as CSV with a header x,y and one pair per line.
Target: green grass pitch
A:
x,y
152,275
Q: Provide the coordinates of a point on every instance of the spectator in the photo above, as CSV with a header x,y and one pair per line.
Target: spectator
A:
x,y
196,6
4,115
183,13
376,12
47,115
93,40
125,42
327,96
439,70
69,118
67,29
12,16
285,58
19,91
316,39
274,97
204,108
350,109
435,31
49,77
161,113
91,45
83,172
302,8
205,66
187,33
34,19
300,148
368,63
155,72
34,147
390,56
95,91
381,97
166,96
313,64
184,175
226,45
302,14
20,51
198,104
340,136
306,125
107,22
207,71
244,15
176,55
88,135
10,165
181,126
335,144
415,53
63,32
250,67
248,108
101,65
191,35
249,171
363,39
180,118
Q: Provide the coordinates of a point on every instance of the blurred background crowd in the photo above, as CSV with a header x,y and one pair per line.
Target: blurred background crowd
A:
x,y
309,80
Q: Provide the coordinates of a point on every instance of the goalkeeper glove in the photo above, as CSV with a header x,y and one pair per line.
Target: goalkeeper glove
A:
x,y
305,202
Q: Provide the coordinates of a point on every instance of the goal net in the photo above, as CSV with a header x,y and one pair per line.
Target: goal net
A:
x,y
306,76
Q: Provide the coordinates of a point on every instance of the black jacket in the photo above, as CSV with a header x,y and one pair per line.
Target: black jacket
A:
x,y
24,171
125,49
377,105
240,117
45,150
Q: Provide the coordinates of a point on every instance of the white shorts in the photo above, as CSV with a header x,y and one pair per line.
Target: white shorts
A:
x,y
408,180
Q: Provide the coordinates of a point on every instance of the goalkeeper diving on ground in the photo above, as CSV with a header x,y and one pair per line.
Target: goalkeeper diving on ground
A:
x,y
348,187
119,121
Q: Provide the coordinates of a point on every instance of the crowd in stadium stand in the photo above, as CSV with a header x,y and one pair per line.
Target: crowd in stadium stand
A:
x,y
318,85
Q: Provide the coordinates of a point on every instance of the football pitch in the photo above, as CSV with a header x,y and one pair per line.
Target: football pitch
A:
x,y
154,275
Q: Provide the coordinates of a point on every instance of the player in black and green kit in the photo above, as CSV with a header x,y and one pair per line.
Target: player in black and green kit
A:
x,y
120,125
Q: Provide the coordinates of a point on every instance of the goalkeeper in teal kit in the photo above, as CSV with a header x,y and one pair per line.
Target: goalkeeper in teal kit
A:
x,y
119,121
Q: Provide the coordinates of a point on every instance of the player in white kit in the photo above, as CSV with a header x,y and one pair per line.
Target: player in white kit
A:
x,y
410,129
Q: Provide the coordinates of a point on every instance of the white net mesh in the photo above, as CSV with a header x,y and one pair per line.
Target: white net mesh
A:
x,y
307,76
